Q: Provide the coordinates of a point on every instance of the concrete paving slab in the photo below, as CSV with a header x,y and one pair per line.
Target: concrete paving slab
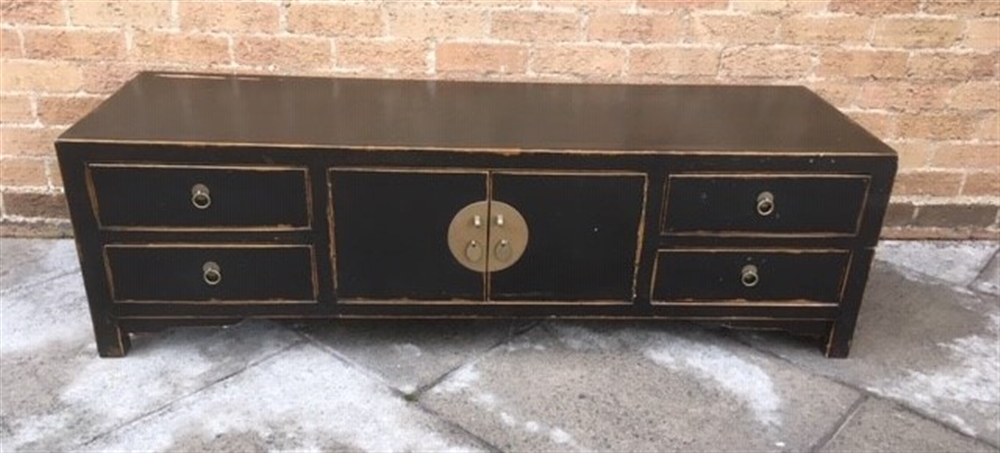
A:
x,y
304,400
57,393
583,386
955,262
989,279
882,426
410,354
24,262
931,347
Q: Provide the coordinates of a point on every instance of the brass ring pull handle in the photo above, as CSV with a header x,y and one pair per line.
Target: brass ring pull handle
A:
x,y
765,204
201,198
474,252
503,251
211,273
749,276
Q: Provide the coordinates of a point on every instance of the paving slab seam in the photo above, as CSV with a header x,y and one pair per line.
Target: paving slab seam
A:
x,y
458,427
170,404
982,275
902,405
840,424
511,334
23,286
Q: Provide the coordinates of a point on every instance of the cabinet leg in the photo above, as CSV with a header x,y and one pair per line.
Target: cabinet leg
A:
x,y
838,342
112,341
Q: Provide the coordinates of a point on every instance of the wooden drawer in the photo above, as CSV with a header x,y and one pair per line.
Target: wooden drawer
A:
x,y
178,273
764,204
749,275
153,197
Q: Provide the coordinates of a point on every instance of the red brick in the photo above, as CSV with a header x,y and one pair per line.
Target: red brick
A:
x,y
62,44
33,75
976,96
28,141
946,126
105,78
950,65
840,94
65,110
613,26
862,64
936,183
982,184
766,62
301,52
989,128
882,125
536,26
245,17
382,56
482,58
874,7
910,32
773,6
190,49
16,109
891,95
579,60
979,157
32,12
963,7
325,19
139,14
734,29
422,23
807,30
982,35
10,43
913,154
22,172
674,61
683,4
42,205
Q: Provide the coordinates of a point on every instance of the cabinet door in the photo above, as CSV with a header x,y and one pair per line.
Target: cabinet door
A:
x,y
390,235
583,236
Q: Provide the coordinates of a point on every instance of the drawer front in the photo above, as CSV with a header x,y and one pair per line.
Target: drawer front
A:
x,y
172,273
766,204
200,197
749,275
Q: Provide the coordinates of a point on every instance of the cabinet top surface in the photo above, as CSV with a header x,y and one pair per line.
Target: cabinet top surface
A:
x,y
497,116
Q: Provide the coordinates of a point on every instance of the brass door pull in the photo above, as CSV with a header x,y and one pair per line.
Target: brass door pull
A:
x,y
495,221
503,250
765,204
474,252
211,273
201,198
749,276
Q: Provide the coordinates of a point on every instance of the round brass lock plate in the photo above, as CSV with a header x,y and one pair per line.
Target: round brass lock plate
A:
x,y
508,236
467,236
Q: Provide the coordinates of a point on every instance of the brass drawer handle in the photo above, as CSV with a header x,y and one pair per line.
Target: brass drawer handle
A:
x,y
474,252
765,203
211,273
749,276
201,198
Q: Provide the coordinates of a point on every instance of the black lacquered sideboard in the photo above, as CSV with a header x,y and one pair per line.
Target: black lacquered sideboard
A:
x,y
207,199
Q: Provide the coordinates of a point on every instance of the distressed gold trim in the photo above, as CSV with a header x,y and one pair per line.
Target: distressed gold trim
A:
x,y
201,228
740,233
788,251
308,316
471,149
179,245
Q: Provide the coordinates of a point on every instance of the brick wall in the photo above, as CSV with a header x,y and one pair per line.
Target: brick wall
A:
x,y
920,74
